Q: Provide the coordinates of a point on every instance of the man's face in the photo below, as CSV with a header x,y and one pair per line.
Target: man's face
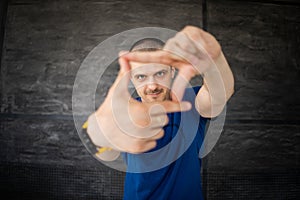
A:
x,y
152,81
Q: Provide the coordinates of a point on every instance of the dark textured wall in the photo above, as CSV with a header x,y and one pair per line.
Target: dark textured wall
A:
x,y
261,42
257,156
261,136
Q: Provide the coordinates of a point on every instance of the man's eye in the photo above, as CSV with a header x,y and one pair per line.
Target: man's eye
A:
x,y
161,74
140,77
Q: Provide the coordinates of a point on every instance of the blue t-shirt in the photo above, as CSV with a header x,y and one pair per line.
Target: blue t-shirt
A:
x,y
172,170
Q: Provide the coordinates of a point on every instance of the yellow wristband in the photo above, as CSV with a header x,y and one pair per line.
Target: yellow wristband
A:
x,y
101,149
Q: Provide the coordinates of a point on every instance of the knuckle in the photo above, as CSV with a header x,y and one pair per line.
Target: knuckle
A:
x,y
188,27
185,45
195,36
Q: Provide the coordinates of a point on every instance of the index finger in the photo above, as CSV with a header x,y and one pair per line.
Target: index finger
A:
x,y
159,56
164,107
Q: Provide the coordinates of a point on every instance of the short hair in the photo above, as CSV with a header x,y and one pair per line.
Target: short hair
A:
x,y
147,44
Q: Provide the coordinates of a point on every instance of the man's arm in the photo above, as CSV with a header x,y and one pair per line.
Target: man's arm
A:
x,y
218,87
195,52
124,124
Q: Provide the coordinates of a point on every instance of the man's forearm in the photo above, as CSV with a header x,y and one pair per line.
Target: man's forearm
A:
x,y
218,87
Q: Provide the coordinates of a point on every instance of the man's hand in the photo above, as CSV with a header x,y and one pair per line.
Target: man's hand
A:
x,y
193,51
125,124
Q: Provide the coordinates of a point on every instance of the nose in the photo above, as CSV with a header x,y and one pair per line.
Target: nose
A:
x,y
152,84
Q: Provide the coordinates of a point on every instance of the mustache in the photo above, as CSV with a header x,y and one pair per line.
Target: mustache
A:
x,y
154,91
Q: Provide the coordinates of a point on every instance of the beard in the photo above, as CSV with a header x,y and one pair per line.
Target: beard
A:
x,y
156,91
156,95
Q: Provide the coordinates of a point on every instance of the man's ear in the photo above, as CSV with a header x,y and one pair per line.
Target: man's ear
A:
x,y
173,71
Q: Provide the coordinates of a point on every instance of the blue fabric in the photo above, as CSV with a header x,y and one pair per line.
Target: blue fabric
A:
x,y
179,179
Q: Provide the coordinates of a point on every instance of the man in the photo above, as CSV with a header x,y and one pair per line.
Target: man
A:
x,y
160,133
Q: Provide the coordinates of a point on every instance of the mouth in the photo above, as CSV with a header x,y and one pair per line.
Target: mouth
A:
x,y
154,93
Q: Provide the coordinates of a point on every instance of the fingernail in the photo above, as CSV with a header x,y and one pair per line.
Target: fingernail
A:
x,y
123,52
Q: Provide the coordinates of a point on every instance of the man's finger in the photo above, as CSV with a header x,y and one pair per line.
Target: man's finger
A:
x,y
178,88
185,43
159,121
159,56
122,81
164,107
159,135
173,56
185,74
124,66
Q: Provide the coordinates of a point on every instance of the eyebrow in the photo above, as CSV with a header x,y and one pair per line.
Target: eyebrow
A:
x,y
163,70
140,74
136,75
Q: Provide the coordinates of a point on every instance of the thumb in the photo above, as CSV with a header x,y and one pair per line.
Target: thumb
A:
x,y
180,83
120,86
124,63
123,79
178,88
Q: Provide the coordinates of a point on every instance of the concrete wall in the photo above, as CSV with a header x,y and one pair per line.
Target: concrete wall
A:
x,y
44,44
